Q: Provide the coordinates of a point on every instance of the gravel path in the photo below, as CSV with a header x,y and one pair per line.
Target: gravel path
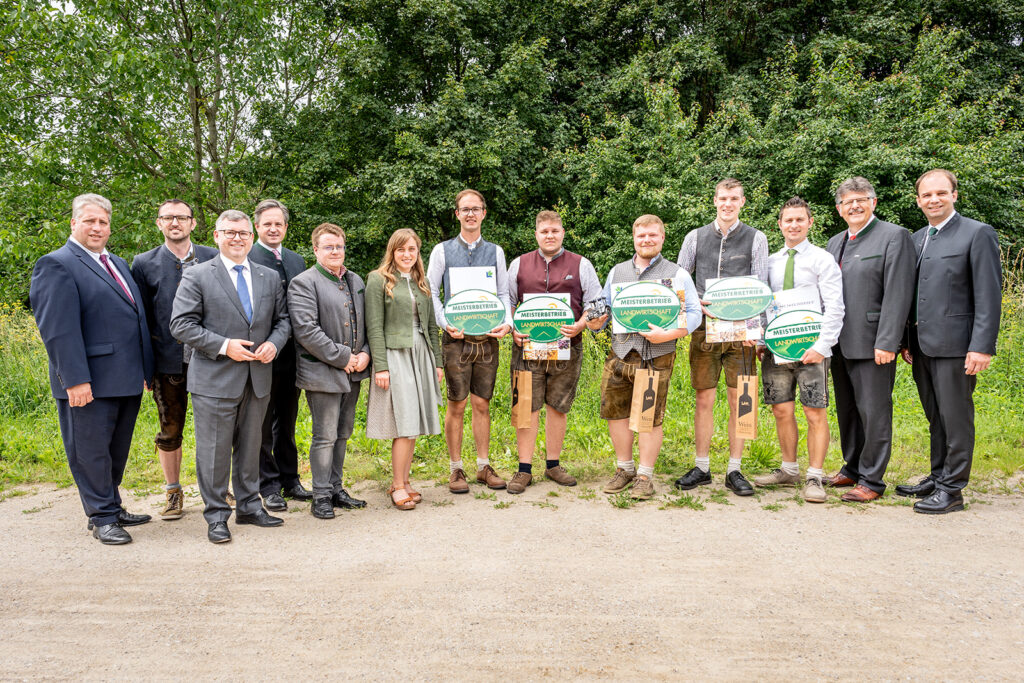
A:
x,y
561,587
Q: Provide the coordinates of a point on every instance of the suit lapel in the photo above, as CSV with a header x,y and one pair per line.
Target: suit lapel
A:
x,y
222,276
100,272
259,285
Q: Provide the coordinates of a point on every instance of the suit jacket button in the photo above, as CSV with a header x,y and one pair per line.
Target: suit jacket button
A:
x,y
346,324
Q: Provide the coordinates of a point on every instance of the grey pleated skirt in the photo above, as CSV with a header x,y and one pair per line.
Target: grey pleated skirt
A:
x,y
409,407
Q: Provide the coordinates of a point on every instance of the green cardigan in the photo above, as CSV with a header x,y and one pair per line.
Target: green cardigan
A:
x,y
389,321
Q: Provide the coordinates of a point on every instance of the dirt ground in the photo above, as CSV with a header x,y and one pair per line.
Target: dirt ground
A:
x,y
560,587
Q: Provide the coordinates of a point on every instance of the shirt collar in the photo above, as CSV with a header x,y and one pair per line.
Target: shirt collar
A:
x,y
718,228
188,257
867,226
800,248
541,254
71,238
230,265
329,275
653,262
268,248
471,245
944,223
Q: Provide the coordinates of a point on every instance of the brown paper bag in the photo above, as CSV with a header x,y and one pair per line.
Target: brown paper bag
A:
x,y
645,396
522,398
746,408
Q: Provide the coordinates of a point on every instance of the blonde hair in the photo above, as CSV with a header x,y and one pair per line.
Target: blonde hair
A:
x,y
649,219
388,269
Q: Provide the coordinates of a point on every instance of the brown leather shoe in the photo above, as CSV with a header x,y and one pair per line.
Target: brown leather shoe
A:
x,y
520,480
560,476
860,494
457,482
487,475
840,481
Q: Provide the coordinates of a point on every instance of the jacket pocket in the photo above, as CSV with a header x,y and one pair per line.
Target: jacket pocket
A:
x,y
868,258
873,316
99,349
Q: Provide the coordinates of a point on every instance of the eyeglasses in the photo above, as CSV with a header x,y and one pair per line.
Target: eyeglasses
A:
x,y
857,201
331,248
167,220
236,234
471,210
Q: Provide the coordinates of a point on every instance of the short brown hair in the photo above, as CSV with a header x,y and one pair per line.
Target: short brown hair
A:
x,y
548,217
459,196
266,205
326,229
728,184
649,219
796,203
937,171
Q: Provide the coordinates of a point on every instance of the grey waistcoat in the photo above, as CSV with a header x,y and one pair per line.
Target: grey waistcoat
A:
x,y
622,344
458,255
722,257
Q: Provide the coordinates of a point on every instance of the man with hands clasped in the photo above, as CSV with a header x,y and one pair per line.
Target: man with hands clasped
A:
x,y
232,313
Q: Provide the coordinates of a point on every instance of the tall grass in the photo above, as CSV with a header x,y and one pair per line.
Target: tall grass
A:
x,y
31,450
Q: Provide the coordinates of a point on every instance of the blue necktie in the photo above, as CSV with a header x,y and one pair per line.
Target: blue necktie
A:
x,y
243,293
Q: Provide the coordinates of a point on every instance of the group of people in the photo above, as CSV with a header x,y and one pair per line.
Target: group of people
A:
x,y
245,328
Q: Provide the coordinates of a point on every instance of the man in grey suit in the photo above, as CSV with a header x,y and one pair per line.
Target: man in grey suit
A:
x,y
325,305
232,313
877,260
953,329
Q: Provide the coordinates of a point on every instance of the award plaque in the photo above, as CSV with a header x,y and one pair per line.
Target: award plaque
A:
x,y
474,311
541,318
737,298
791,333
638,306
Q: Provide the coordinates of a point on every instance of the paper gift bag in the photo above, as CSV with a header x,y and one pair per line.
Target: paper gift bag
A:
x,y
645,395
746,406
522,398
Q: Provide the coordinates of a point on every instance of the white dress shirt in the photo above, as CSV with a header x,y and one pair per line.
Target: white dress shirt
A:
x,y
233,275
814,267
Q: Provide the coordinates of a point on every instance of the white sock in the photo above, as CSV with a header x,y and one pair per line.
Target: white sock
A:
x,y
790,467
455,465
645,471
626,465
703,464
815,473
482,462
734,465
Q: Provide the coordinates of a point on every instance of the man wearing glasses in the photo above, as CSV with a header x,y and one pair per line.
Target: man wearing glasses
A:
x,y
232,312
877,262
158,272
470,363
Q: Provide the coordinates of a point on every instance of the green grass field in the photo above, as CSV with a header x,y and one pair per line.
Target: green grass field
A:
x,y
31,449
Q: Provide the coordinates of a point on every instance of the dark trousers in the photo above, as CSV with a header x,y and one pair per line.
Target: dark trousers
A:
x,y
947,396
864,413
97,438
279,458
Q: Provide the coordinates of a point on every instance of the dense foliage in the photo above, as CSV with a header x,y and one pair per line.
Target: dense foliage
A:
x,y
374,114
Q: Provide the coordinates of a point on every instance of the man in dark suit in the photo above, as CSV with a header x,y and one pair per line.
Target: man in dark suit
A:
x,y
953,329
232,313
279,458
158,272
877,260
91,321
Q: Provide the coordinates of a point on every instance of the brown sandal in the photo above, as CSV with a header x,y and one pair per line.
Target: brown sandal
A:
x,y
413,493
406,503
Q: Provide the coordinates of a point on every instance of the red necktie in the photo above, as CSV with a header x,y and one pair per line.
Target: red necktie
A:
x,y
106,264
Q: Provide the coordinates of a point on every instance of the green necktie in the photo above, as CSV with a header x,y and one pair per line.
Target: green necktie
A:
x,y
787,280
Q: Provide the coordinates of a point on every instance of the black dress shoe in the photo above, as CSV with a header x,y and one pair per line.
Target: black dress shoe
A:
x,y
922,489
341,499
298,492
275,502
940,502
111,534
692,479
218,532
259,518
125,518
322,508
738,484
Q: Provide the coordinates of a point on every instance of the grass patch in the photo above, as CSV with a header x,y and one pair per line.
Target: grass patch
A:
x,y
586,494
444,502
544,504
485,495
504,504
683,500
720,496
773,507
552,494
622,500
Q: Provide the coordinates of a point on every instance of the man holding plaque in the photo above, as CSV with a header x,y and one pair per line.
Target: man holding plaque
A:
x,y
469,262
877,260
953,329
726,247
554,366
804,277
642,352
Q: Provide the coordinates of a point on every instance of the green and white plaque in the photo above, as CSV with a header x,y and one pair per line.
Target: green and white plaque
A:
x,y
737,298
541,318
791,333
474,311
638,306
